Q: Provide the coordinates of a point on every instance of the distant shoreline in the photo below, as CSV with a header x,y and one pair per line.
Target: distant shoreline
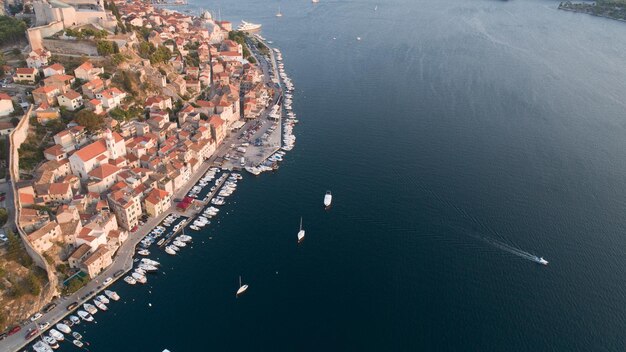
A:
x,y
593,10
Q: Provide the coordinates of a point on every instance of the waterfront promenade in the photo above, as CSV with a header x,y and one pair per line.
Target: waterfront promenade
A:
x,y
123,260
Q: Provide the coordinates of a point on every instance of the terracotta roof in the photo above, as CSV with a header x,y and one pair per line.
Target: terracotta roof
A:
x,y
104,171
71,94
80,251
59,188
96,255
92,150
4,96
25,70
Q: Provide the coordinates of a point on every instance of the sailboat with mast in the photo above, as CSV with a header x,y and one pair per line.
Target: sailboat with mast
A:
x,y
279,14
242,288
301,232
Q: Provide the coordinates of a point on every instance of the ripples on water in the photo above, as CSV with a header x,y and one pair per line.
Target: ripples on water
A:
x,y
449,117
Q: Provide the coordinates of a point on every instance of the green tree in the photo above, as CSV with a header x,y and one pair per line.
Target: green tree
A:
x,y
106,48
90,120
4,216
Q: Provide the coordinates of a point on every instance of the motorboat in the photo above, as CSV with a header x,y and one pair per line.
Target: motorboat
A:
x,y
194,227
55,334
100,305
51,341
170,251
90,308
174,247
78,343
148,267
112,295
103,299
77,335
130,280
184,238
328,199
139,277
143,252
41,346
179,244
242,288
68,323
301,232
74,319
150,262
84,315
63,328
542,261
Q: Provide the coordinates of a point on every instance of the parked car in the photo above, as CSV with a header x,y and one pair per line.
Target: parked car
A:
x,y
118,273
3,336
107,281
44,325
31,333
14,330
73,305
49,307
35,317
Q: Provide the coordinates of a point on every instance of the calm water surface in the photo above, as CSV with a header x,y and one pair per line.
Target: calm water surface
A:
x,y
449,121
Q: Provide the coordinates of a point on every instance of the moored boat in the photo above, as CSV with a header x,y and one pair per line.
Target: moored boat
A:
x,y
170,251
129,280
78,343
55,334
77,335
103,299
63,328
74,319
100,305
112,295
85,315
139,277
90,308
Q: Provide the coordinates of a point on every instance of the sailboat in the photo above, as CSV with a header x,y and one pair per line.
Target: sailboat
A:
x,y
279,14
242,288
301,232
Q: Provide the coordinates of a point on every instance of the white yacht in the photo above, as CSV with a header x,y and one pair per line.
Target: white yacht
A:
x,y
170,251
63,328
74,319
77,335
77,343
542,261
90,308
328,199
143,252
242,288
148,268
84,315
41,346
150,262
130,280
50,341
140,278
301,232
100,305
103,299
194,227
112,295
55,334
248,27
179,244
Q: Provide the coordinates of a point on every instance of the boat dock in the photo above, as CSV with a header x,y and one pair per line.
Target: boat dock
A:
x,y
190,215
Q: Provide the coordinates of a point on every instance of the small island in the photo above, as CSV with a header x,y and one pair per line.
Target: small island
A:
x,y
613,9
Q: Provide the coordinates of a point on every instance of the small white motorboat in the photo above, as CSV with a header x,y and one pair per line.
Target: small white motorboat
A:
x,y
242,288
112,295
84,315
328,199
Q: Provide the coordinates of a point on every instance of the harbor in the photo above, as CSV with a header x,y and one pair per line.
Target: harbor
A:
x,y
255,146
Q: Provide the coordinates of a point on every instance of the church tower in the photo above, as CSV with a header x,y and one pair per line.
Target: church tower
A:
x,y
110,142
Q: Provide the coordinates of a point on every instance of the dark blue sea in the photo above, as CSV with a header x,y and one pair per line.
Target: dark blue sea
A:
x,y
450,126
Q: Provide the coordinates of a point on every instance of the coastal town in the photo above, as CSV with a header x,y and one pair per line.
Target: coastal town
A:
x,y
117,120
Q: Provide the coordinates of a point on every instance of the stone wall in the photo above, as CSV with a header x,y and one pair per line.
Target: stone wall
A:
x,y
36,34
71,47
16,138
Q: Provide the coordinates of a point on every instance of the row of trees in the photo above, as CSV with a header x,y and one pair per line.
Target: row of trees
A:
x,y
156,55
106,48
86,33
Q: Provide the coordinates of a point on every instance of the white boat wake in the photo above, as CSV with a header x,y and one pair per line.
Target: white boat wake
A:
x,y
510,248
